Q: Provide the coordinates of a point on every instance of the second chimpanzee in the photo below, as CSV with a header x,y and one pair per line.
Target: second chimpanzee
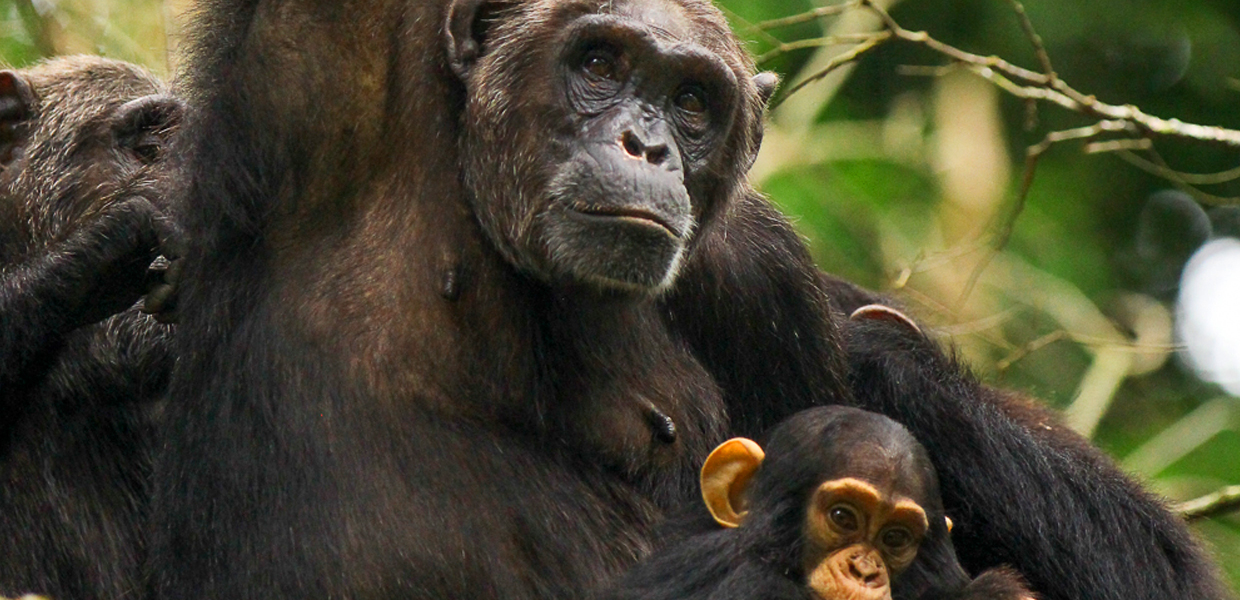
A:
x,y
836,510
80,161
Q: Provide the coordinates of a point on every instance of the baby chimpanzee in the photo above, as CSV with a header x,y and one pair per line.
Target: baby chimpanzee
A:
x,y
836,509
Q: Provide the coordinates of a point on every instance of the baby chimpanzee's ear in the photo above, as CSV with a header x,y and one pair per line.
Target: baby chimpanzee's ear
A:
x,y
725,479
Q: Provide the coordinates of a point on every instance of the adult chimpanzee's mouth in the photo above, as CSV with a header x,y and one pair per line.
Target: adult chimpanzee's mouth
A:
x,y
629,214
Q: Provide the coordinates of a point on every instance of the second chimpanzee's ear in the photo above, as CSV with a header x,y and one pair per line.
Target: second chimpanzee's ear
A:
x,y
466,30
725,479
145,125
879,312
16,107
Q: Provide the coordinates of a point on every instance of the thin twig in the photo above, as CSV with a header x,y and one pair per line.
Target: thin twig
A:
x,y
1190,178
923,38
1199,195
1218,503
1039,49
1032,85
1030,348
1117,146
742,23
927,262
838,61
805,17
1032,155
818,42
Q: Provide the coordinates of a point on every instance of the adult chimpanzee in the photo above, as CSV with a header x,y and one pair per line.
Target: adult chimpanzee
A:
x,y
80,144
837,510
474,287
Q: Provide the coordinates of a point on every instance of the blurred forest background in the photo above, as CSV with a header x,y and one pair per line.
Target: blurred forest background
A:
x,y
1115,295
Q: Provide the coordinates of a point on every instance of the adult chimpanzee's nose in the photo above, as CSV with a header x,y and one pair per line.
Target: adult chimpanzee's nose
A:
x,y
636,147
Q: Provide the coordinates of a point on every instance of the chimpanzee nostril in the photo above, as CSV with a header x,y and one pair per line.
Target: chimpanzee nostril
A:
x,y
657,154
635,148
632,146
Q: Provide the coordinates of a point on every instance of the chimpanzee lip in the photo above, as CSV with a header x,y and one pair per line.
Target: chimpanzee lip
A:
x,y
635,215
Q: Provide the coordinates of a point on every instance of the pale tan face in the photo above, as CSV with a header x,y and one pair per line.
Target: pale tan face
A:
x,y
858,538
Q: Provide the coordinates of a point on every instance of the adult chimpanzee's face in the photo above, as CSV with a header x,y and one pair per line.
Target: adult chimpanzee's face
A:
x,y
594,137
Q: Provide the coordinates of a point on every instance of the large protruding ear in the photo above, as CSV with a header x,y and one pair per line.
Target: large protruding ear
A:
x,y
725,479
16,108
466,30
145,125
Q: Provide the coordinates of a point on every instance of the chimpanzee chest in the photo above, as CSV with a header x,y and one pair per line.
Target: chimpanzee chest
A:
x,y
641,406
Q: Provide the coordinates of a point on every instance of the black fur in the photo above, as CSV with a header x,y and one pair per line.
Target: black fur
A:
x,y
1023,489
763,558
373,400
79,388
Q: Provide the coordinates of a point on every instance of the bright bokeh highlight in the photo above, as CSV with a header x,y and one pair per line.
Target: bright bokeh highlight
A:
x,y
1208,314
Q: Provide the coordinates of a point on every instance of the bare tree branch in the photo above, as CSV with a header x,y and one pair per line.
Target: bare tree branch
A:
x,y
1158,166
847,57
1189,178
1030,348
1218,503
1131,126
805,17
1038,48
818,42
1032,155
1018,81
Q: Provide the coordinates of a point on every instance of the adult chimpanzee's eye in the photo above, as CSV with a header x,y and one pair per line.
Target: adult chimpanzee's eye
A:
x,y
844,517
601,64
896,538
691,100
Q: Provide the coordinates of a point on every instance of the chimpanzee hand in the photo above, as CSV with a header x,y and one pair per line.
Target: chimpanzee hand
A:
x,y
110,257
164,275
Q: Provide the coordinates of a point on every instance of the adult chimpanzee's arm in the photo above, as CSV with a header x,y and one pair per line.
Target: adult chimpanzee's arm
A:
x,y
94,273
1024,490
750,305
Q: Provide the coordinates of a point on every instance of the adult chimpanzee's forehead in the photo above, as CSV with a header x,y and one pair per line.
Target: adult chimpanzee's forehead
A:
x,y
665,19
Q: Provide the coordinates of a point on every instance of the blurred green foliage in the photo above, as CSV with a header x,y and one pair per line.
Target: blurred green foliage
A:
x,y
901,177
877,170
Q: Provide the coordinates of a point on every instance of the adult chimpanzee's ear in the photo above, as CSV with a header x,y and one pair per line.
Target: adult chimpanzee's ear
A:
x,y
16,107
145,125
766,82
725,479
879,312
468,21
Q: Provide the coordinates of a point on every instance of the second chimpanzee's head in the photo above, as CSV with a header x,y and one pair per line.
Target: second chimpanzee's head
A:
x,y
76,134
601,135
